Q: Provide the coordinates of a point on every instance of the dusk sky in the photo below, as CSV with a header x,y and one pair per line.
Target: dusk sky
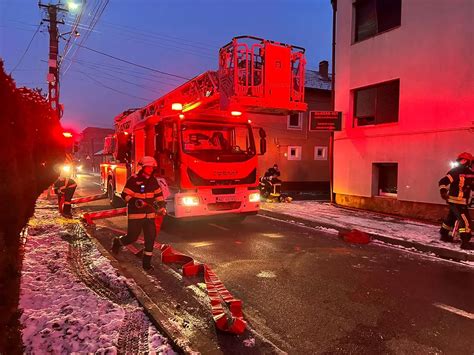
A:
x,y
179,37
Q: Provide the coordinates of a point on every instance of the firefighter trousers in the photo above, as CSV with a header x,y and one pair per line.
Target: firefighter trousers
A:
x,y
64,199
135,227
458,213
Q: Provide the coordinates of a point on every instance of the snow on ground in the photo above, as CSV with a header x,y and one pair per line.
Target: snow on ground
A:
x,y
61,312
328,214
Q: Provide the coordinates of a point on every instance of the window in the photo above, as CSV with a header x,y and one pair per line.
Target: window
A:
x,y
295,121
385,179
320,153
294,153
377,104
375,16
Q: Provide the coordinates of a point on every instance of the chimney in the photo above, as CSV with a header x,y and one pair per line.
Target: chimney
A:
x,y
324,69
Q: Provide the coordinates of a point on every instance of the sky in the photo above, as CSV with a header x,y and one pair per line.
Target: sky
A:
x,y
180,37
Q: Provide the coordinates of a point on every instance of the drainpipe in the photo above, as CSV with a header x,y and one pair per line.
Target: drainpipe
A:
x,y
333,100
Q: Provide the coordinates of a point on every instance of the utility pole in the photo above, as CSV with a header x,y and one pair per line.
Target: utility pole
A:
x,y
53,70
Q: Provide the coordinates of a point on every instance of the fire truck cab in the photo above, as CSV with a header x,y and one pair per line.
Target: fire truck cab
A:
x,y
200,135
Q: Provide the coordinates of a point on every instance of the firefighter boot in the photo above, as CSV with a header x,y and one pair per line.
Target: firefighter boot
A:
x,y
147,262
465,242
445,237
116,245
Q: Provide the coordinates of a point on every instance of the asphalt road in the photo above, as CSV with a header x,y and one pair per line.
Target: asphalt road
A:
x,y
306,291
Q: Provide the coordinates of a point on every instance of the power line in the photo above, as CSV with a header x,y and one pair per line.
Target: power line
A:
x,y
132,63
110,88
119,70
109,76
202,45
27,48
95,19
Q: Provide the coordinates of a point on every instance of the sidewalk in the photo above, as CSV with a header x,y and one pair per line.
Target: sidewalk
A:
x,y
394,230
73,300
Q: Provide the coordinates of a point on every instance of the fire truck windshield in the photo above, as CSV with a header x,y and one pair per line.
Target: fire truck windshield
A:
x,y
218,142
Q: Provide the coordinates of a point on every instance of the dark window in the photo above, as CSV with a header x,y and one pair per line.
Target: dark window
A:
x,y
376,16
377,104
295,121
387,178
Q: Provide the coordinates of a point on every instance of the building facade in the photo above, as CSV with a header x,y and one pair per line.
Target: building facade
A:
x,y
404,83
91,143
300,152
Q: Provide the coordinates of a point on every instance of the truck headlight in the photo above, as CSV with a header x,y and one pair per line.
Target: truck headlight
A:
x,y
190,201
254,197
79,168
67,168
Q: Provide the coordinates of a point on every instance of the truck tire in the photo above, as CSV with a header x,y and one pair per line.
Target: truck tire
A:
x,y
113,199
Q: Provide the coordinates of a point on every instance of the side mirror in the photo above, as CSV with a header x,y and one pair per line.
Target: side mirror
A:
x,y
263,146
262,133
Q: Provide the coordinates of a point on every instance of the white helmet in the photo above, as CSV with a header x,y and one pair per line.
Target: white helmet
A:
x,y
148,161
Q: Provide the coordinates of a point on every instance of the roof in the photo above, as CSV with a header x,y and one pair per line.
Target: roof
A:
x,y
314,80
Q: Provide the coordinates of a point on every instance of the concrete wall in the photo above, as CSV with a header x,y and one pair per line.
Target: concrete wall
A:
x,y
307,172
431,53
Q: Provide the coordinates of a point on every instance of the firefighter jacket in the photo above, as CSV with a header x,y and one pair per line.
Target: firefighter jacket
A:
x,y
459,183
143,195
272,173
63,183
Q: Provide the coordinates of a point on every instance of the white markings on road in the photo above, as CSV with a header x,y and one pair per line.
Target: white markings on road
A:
x,y
454,310
266,274
219,227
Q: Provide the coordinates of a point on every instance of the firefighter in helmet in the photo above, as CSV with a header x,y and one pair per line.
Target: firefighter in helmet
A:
x,y
65,187
145,201
456,188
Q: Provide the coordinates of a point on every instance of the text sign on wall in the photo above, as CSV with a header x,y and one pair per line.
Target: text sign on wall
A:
x,y
325,120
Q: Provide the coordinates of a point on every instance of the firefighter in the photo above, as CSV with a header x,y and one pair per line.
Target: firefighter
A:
x,y
145,201
65,187
456,188
268,180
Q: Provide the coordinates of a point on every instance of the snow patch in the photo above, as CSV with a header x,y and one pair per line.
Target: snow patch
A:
x,y
61,314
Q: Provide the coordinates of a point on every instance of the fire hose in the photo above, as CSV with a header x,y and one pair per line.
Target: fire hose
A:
x,y
226,309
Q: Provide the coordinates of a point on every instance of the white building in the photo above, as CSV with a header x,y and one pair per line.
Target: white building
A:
x,y
404,83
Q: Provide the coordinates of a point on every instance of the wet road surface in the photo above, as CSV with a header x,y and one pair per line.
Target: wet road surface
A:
x,y
306,291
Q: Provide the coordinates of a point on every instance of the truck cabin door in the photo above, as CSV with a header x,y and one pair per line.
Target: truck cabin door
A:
x,y
167,150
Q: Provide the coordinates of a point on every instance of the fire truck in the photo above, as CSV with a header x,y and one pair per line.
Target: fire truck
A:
x,y
200,135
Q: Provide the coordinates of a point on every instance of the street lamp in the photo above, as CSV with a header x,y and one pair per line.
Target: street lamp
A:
x,y
72,6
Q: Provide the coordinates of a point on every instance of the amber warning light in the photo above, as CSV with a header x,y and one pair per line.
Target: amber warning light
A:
x,y
67,134
236,113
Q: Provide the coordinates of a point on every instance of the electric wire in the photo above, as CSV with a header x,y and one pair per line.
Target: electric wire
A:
x,y
134,64
27,48
99,10
110,88
119,70
200,45
109,76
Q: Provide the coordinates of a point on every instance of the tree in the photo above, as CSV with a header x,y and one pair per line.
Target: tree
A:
x,y
31,146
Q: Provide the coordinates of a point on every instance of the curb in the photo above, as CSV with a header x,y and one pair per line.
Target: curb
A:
x,y
178,341
438,251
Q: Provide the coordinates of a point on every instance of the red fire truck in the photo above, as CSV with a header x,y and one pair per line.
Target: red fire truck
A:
x,y
200,133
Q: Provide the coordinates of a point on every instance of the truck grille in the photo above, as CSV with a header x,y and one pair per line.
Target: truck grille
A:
x,y
224,206
223,191
197,180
